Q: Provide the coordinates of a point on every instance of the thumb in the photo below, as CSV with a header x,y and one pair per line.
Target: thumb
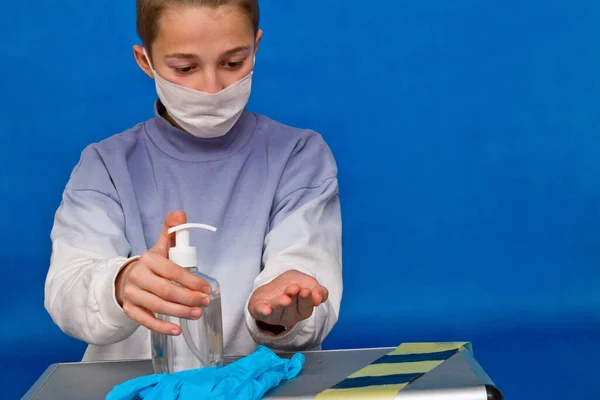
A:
x,y
164,239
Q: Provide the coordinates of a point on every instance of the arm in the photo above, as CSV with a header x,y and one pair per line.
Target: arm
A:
x,y
305,236
88,251
90,268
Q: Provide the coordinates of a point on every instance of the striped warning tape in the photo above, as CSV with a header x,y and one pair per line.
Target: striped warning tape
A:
x,y
388,375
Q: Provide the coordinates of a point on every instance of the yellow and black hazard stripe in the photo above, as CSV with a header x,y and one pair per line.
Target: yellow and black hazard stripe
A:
x,y
388,375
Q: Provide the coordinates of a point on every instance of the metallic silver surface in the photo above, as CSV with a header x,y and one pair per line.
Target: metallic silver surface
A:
x,y
322,370
468,393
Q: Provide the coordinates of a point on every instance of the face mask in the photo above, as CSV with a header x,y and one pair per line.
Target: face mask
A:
x,y
202,114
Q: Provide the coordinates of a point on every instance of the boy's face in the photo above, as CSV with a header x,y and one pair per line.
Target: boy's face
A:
x,y
202,48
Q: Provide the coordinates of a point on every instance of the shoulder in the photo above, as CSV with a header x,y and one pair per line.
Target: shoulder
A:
x,y
120,142
96,158
307,163
294,142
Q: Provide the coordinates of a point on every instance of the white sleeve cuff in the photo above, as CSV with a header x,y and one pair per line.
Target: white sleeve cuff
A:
x,y
105,292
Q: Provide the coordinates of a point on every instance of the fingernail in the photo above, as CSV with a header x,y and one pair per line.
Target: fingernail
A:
x,y
205,301
196,314
207,289
175,332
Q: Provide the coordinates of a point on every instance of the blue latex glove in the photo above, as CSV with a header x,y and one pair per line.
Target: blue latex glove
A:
x,y
248,378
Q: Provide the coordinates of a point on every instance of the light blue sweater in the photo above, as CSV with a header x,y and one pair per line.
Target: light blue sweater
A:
x,y
271,190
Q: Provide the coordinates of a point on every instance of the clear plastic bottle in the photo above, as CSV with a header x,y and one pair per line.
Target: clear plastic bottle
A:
x,y
200,344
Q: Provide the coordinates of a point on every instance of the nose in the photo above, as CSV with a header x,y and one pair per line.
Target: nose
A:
x,y
209,82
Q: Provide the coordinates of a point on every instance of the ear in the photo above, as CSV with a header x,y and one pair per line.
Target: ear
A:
x,y
140,58
258,38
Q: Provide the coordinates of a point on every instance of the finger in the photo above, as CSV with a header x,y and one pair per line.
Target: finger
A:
x,y
272,319
157,305
292,290
166,269
147,319
290,315
293,306
319,295
173,293
263,308
165,240
305,303
325,294
280,301
260,310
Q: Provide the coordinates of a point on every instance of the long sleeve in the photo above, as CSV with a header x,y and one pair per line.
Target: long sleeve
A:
x,y
305,235
89,249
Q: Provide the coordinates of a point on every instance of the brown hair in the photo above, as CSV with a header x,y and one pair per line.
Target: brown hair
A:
x,y
150,11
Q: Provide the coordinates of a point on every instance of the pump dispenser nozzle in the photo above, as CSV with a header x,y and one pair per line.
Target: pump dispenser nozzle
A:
x,y
182,254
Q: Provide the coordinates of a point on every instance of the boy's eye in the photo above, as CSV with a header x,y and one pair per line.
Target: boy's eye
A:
x,y
184,70
233,64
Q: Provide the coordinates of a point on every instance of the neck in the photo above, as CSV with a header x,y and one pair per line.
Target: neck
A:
x,y
166,116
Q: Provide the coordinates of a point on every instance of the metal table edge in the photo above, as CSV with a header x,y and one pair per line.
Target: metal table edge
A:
x,y
37,385
229,356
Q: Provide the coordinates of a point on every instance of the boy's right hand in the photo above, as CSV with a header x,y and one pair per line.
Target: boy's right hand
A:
x,y
146,286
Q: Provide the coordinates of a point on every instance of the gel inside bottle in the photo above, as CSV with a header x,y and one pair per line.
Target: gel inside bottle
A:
x,y
200,344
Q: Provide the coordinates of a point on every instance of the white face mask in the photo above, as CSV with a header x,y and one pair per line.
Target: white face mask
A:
x,y
202,114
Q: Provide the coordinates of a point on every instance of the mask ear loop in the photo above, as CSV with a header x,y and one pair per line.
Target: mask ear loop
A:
x,y
149,62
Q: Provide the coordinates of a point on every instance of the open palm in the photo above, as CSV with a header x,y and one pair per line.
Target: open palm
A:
x,y
287,299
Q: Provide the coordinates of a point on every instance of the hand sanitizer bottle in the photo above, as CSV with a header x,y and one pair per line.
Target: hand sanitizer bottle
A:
x,y
201,343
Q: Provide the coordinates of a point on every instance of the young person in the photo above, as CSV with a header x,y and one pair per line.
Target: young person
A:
x,y
271,190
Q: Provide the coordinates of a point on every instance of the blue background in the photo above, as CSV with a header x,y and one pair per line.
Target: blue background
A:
x,y
466,134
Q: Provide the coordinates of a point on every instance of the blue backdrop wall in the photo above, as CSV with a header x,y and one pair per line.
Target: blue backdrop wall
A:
x,y
466,134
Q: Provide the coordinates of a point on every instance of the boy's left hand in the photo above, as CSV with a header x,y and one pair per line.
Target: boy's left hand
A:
x,y
287,299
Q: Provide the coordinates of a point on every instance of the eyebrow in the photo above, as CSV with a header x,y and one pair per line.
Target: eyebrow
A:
x,y
236,50
181,56
189,56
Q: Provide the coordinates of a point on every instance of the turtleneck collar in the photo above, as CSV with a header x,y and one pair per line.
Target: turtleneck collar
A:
x,y
183,146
